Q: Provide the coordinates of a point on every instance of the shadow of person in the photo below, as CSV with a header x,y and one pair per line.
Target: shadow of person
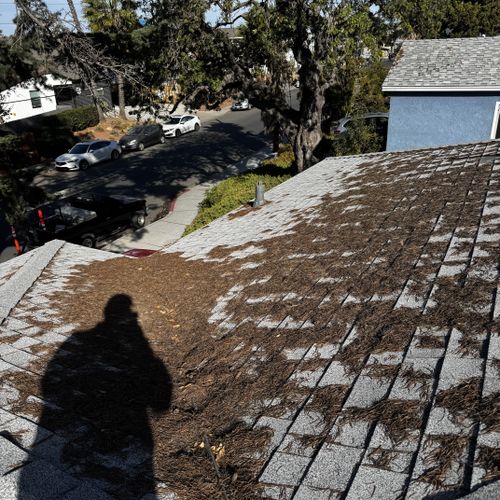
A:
x,y
99,390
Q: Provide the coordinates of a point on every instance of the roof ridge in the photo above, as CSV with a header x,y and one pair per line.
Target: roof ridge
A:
x,y
22,280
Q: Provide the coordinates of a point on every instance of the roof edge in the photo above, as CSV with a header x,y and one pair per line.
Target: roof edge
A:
x,y
439,89
13,291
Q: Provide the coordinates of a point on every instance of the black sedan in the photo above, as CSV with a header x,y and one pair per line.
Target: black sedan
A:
x,y
141,136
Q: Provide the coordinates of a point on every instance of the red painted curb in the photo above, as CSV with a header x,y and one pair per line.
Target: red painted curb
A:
x,y
171,204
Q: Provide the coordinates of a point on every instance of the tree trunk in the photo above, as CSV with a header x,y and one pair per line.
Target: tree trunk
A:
x,y
95,98
309,133
121,95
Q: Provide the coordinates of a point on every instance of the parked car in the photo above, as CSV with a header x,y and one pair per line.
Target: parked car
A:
x,y
141,136
380,120
242,105
84,154
181,124
84,219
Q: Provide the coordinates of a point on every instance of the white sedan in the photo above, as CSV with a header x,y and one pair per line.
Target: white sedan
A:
x,y
84,154
242,105
181,124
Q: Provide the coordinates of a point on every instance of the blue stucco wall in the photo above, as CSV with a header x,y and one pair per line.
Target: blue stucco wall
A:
x,y
417,121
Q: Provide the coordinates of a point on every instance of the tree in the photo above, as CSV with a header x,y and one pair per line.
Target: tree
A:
x,y
326,38
441,18
65,52
114,17
93,86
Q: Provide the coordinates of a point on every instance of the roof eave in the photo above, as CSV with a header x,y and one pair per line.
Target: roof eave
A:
x,y
401,89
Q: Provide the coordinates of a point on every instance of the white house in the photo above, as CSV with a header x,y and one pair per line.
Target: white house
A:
x,y
30,98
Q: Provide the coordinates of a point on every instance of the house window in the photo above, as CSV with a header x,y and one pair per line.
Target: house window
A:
x,y
36,100
495,128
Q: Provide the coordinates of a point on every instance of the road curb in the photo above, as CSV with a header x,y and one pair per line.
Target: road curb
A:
x,y
171,227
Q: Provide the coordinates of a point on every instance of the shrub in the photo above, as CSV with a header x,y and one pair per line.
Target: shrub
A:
x,y
236,191
10,150
74,119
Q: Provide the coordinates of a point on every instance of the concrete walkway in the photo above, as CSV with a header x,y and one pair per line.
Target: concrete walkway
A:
x,y
184,209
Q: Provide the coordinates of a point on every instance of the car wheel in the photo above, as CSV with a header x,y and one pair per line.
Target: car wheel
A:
x,y
177,133
83,165
140,147
138,220
88,240
162,139
196,127
115,154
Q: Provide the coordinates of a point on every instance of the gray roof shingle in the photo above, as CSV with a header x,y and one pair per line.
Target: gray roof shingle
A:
x,y
458,64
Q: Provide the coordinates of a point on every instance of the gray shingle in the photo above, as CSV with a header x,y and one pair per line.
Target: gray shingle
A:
x,y
333,467
461,63
371,482
285,469
11,456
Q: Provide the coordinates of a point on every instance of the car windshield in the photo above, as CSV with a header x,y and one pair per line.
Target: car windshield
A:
x,y
78,149
174,120
135,131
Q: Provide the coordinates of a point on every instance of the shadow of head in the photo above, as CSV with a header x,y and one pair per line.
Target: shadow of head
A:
x,y
119,310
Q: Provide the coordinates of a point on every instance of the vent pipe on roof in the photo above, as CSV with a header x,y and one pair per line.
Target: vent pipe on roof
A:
x,y
259,194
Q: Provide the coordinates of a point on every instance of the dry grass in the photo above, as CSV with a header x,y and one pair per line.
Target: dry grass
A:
x,y
110,129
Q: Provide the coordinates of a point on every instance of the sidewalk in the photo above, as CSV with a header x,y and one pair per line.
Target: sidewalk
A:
x,y
184,209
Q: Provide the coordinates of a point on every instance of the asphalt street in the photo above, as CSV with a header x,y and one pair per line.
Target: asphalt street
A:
x,y
160,172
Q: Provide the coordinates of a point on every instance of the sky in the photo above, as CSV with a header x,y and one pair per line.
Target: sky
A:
x,y
8,12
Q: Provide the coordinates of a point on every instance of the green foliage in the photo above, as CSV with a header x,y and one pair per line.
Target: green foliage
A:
x,y
15,190
236,191
73,119
367,96
9,144
111,16
441,18
11,153
360,138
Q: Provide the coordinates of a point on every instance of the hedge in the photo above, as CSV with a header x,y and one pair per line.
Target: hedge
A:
x,y
74,119
236,191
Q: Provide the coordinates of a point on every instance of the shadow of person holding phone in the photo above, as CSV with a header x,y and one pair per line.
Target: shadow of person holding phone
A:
x,y
100,389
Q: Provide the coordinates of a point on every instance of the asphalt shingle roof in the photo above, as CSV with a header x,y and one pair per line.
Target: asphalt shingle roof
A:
x,y
367,289
453,64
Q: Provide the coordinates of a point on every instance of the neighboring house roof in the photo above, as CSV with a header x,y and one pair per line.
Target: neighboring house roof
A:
x,y
453,64
341,340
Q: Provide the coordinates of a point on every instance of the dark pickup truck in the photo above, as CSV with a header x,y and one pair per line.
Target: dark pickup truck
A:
x,y
84,219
